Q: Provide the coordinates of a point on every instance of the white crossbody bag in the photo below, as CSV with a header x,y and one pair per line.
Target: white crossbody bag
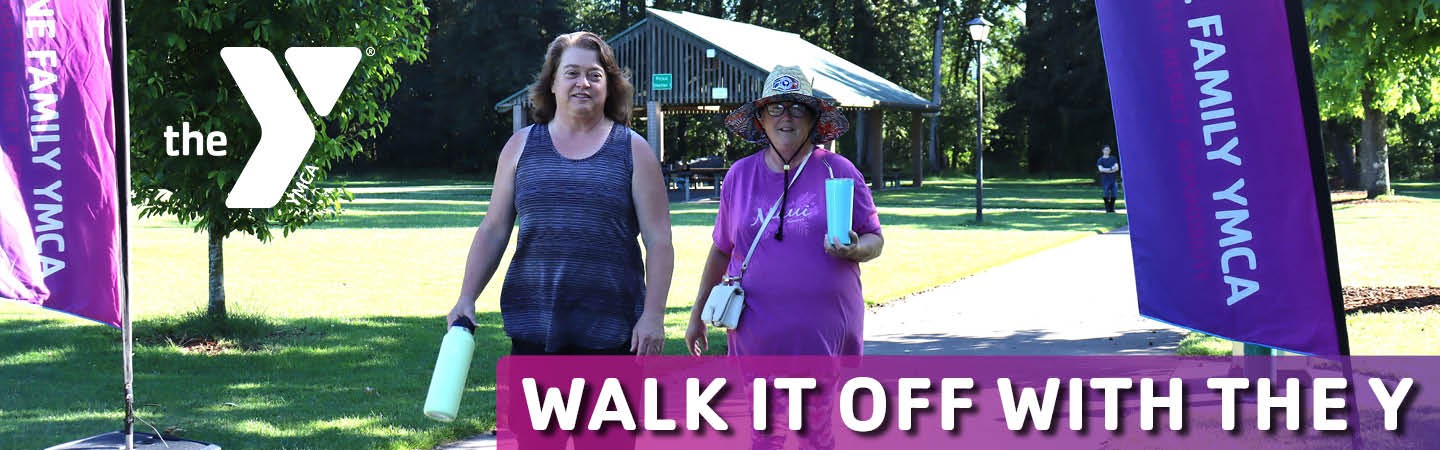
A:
x,y
727,299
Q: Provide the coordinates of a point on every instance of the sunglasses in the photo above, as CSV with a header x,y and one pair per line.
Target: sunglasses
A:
x,y
791,108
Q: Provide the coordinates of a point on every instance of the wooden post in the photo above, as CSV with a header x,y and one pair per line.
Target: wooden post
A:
x,y
861,144
655,128
875,137
917,155
517,118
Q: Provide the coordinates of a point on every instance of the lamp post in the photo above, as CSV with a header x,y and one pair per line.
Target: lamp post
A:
x,y
979,30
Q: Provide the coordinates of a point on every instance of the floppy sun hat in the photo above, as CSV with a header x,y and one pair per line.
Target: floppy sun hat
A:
x,y
787,84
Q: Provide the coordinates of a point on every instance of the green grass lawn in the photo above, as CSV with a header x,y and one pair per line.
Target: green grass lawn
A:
x,y
1389,242
344,317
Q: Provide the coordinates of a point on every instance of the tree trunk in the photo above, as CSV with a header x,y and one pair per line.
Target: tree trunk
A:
x,y
682,147
917,153
1037,120
1339,136
216,309
862,36
935,89
1374,154
1435,162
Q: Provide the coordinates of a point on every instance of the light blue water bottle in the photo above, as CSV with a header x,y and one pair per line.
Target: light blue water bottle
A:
x,y
451,368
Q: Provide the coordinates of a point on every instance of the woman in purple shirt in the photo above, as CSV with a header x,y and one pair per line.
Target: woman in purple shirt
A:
x,y
802,290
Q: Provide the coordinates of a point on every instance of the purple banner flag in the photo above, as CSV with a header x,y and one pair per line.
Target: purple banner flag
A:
x,y
1225,224
57,127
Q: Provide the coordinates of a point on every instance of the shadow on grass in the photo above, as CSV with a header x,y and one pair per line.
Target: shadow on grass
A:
x,y
350,220
1064,205
1429,190
416,207
401,181
313,383
1096,221
407,214
999,194
1403,191
476,193
307,383
1023,205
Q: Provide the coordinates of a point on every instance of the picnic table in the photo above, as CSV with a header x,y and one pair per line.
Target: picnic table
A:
x,y
892,177
682,177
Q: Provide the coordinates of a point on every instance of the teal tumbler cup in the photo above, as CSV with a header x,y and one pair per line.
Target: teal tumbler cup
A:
x,y
839,205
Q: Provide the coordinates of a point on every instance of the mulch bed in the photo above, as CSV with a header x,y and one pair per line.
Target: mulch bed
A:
x,y
1360,198
1389,298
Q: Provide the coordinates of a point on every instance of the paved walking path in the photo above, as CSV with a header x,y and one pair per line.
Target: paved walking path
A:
x,y
1076,299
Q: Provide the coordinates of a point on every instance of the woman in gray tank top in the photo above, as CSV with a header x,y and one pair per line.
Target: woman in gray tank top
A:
x,y
581,186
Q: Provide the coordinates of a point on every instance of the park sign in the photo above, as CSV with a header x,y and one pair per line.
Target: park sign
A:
x,y
661,82
58,131
1230,220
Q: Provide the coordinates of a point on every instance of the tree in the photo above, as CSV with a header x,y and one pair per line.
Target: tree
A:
x,y
1371,59
1062,98
1339,138
1003,60
1415,147
478,54
606,17
178,76
487,50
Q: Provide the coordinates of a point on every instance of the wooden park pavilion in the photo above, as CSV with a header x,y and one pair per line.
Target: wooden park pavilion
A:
x,y
686,63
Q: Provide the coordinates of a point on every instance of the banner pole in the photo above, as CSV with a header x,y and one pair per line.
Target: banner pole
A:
x,y
1310,112
121,111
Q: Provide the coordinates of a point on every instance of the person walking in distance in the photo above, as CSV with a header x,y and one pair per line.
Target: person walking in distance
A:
x,y
1109,167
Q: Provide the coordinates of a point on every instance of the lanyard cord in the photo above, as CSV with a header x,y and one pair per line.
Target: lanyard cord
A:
x,y
785,192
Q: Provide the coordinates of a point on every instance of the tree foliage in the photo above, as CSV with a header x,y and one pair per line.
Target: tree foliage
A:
x,y
1415,147
479,53
1373,59
1047,104
1391,46
1062,113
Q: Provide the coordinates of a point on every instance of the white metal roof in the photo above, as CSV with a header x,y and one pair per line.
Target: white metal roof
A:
x,y
834,77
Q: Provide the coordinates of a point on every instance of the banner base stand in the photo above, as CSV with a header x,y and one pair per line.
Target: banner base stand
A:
x,y
116,440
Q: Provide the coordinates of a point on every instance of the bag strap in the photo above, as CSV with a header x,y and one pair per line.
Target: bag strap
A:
x,y
766,223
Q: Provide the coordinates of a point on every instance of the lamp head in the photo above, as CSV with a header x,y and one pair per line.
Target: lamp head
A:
x,y
979,29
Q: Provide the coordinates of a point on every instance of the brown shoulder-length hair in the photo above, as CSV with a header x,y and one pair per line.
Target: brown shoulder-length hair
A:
x,y
619,92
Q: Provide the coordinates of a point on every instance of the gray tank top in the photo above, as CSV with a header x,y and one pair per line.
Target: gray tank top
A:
x,y
576,278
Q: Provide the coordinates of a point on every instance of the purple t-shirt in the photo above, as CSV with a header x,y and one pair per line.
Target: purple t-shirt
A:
x,y
798,299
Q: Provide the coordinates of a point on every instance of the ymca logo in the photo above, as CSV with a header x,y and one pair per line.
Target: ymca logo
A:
x,y
286,131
